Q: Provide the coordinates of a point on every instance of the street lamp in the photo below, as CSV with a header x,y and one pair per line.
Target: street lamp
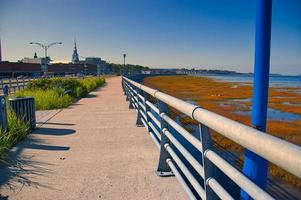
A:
x,y
124,55
45,47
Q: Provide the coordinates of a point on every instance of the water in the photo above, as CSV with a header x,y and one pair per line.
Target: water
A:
x,y
275,80
274,114
291,104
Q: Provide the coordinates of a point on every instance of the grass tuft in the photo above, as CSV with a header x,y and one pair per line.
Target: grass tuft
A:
x,y
47,99
17,130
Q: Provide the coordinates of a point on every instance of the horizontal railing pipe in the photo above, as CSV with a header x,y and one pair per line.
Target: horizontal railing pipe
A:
x,y
153,107
195,164
155,118
240,179
155,140
280,152
218,189
196,185
155,130
195,142
144,123
180,178
143,115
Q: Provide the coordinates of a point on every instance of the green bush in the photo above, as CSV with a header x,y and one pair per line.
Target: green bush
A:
x,y
47,99
92,83
53,93
17,130
81,91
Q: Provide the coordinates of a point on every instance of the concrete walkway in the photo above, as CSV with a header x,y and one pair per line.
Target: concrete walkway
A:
x,y
91,150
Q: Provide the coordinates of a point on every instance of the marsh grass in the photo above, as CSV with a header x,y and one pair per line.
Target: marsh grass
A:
x,y
55,93
209,93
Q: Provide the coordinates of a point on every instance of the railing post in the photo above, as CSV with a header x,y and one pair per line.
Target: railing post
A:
x,y
130,98
147,108
209,168
126,91
18,86
10,87
123,86
24,109
163,169
3,114
24,83
139,122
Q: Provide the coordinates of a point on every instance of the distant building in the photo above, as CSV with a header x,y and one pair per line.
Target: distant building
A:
x,y
101,64
93,60
63,69
36,60
75,59
14,69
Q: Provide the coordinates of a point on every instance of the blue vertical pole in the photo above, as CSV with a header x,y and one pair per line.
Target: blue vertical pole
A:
x,y
255,167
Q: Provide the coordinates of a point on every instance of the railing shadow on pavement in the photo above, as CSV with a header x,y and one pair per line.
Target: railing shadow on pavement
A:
x,y
56,123
3,197
53,131
17,169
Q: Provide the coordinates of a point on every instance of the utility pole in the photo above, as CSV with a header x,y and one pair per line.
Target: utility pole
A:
x,y
0,52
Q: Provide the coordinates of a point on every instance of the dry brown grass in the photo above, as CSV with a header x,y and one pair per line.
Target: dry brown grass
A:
x,y
209,94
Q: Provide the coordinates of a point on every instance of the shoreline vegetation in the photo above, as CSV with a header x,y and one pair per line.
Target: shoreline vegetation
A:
x,y
230,99
49,93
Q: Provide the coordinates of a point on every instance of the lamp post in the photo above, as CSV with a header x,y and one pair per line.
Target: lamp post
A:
x,y
124,55
45,47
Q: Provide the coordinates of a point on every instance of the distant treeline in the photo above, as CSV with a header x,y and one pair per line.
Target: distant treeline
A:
x,y
117,68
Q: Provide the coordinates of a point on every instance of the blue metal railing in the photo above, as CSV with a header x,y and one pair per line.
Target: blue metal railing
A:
x,y
194,160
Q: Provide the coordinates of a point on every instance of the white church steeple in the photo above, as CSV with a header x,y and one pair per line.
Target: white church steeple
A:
x,y
75,58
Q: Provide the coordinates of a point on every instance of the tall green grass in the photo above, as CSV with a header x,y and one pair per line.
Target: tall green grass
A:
x,y
47,99
54,93
17,130
49,93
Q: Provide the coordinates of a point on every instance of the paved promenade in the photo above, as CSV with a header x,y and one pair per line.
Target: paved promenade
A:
x,y
91,150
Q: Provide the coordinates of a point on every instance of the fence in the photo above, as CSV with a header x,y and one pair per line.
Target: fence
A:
x,y
14,84
17,84
194,161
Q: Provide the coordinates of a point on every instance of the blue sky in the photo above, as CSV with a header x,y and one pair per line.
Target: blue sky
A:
x,y
215,34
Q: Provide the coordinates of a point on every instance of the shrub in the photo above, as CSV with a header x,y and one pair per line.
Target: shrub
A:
x,y
53,93
81,91
17,130
92,83
47,99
